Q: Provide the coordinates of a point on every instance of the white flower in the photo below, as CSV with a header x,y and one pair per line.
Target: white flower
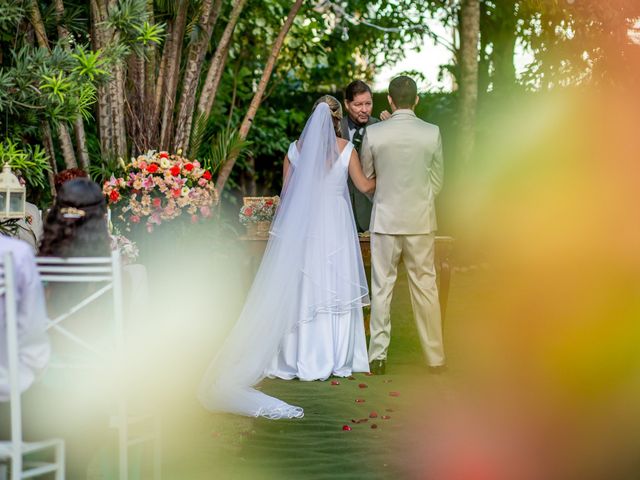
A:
x,y
185,191
165,163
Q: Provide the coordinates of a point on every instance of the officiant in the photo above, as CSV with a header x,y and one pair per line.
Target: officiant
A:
x,y
358,102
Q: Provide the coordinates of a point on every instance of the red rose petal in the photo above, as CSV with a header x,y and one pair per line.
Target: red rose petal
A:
x,y
385,417
335,382
373,425
394,394
373,415
362,385
359,400
346,428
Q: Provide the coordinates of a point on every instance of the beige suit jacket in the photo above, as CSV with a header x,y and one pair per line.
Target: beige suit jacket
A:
x,y
405,155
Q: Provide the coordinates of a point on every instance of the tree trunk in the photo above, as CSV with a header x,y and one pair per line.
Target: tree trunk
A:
x,y
117,91
210,87
167,84
197,51
504,45
47,140
78,124
225,171
469,33
105,130
41,35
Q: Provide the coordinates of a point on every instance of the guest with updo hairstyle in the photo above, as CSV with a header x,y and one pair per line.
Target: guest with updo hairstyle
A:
x,y
76,225
66,175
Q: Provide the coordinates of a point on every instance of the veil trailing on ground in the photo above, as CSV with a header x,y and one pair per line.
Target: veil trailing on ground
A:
x,y
301,257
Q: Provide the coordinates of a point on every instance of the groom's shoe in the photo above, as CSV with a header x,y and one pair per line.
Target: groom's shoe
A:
x,y
438,369
378,367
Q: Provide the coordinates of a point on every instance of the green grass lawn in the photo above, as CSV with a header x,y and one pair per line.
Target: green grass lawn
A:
x,y
201,445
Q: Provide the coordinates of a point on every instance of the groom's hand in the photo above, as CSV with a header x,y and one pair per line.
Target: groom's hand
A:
x,y
384,115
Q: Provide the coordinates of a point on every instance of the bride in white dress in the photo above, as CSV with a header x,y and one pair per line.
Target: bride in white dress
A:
x,y
303,314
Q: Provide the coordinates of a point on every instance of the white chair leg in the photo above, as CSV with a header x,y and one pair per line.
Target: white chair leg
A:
x,y
60,461
157,450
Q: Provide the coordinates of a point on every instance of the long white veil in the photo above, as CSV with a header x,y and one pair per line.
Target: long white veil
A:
x,y
303,250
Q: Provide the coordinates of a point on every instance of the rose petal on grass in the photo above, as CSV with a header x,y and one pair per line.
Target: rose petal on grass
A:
x,y
373,425
385,417
363,385
373,415
359,400
346,428
368,374
394,394
335,382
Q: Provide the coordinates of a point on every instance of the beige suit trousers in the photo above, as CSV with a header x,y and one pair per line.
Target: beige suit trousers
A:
x,y
417,252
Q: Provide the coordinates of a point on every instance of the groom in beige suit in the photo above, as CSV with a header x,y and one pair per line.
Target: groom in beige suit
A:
x,y
405,155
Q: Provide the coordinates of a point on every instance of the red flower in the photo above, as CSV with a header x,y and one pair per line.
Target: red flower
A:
x,y
163,155
268,203
175,170
188,167
176,192
157,202
248,212
206,175
114,196
152,168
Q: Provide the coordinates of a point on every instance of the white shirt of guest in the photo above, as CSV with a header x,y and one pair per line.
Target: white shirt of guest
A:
x,y
33,345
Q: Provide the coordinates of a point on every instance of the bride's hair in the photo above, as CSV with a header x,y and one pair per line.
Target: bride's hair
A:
x,y
336,111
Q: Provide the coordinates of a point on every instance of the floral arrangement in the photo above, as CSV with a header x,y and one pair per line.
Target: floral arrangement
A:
x,y
159,187
260,209
128,250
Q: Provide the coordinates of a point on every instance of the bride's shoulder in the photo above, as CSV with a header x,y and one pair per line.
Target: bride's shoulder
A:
x,y
343,144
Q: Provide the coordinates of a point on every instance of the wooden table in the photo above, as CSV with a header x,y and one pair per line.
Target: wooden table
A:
x,y
444,246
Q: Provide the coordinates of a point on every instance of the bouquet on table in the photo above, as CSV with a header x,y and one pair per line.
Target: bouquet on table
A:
x,y
158,187
256,214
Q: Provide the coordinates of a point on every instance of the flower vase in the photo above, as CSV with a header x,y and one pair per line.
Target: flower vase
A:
x,y
263,228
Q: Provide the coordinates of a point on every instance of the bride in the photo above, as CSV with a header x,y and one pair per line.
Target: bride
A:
x,y
303,314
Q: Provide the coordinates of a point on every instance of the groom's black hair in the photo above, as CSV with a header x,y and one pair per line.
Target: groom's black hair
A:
x,y
403,91
356,88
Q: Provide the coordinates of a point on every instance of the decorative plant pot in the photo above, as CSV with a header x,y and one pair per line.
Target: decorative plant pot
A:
x,y
252,229
262,228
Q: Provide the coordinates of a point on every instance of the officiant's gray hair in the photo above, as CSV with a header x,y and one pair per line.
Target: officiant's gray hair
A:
x,y
336,111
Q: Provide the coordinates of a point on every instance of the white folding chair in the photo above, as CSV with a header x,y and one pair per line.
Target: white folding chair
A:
x,y
105,273
16,449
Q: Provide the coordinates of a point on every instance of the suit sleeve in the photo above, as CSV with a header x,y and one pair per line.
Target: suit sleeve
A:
x,y
436,173
366,157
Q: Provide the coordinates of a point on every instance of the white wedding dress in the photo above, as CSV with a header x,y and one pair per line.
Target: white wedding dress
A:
x,y
303,314
332,343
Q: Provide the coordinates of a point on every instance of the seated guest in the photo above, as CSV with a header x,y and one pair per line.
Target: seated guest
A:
x,y
33,345
30,229
76,225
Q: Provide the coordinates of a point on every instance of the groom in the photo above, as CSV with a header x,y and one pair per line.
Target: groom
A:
x,y
405,155
358,102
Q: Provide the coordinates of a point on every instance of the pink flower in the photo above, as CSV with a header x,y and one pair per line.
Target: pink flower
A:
x,y
205,211
135,219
